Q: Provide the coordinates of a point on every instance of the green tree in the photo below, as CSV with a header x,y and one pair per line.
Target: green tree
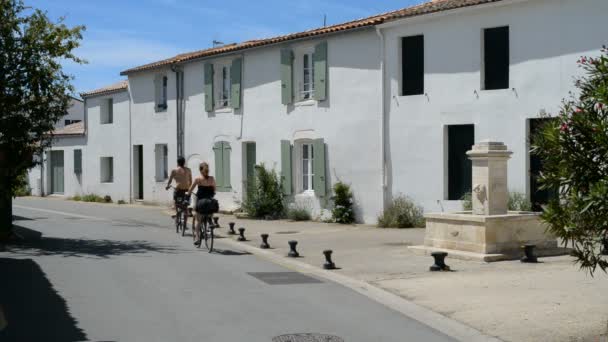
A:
x,y
574,151
34,90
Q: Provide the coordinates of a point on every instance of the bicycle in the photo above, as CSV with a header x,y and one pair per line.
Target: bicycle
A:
x,y
207,228
181,209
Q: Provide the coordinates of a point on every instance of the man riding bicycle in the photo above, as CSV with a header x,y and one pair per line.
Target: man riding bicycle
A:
x,y
183,177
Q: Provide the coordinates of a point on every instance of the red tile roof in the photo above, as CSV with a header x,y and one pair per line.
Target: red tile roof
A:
x,y
119,86
425,8
70,130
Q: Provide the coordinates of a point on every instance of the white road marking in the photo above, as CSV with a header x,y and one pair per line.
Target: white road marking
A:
x,y
60,213
3,323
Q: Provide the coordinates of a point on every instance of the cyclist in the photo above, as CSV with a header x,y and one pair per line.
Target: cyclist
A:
x,y
183,177
206,205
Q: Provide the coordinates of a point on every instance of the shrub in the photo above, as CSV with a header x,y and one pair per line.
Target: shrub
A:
x,y
517,202
264,195
343,204
20,187
92,198
76,198
402,213
107,199
298,213
121,202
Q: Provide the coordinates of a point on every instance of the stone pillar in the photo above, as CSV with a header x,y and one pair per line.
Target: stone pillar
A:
x,y
490,194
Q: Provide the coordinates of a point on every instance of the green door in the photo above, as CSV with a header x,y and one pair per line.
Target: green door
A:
x,y
249,165
57,172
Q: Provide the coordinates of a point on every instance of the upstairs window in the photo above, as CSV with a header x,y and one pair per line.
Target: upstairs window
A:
x,y
224,88
160,84
107,111
412,65
496,58
307,86
70,122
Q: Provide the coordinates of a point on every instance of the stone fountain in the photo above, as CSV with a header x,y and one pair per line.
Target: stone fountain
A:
x,y
490,232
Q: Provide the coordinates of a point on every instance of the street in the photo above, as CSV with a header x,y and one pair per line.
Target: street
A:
x,y
120,273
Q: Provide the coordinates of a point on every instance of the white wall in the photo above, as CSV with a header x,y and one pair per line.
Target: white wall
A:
x,y
108,140
75,112
73,183
348,121
546,38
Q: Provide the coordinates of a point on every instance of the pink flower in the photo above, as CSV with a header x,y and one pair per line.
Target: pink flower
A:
x,y
564,127
578,110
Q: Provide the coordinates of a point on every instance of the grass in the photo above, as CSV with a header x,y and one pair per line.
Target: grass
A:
x,y
91,198
299,214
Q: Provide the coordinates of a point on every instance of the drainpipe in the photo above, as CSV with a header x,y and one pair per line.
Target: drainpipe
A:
x,y
384,180
179,106
130,147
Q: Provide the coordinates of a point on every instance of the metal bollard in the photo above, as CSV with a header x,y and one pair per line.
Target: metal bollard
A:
x,y
216,221
292,249
439,264
241,234
328,265
529,256
264,244
231,231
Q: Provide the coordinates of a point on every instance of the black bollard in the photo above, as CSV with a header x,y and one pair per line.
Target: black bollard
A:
x,y
328,265
529,255
216,221
242,234
231,231
605,245
292,249
439,264
264,244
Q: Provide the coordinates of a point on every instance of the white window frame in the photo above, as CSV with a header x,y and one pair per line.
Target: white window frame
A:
x,y
299,169
161,160
222,83
106,171
304,74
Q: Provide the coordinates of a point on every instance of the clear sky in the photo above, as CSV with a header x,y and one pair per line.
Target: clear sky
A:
x,y
125,33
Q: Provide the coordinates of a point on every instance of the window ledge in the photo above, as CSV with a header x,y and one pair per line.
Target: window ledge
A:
x,y
307,193
302,103
224,110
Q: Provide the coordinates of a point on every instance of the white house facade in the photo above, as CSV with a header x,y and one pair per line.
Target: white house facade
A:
x,y
388,104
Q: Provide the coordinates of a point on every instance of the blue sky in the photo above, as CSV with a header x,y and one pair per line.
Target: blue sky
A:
x,y
124,33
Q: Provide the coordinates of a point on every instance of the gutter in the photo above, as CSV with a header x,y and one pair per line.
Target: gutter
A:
x,y
130,149
383,179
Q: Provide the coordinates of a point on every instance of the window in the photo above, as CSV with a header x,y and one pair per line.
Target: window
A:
x,y
78,161
106,169
162,162
70,122
307,86
160,84
496,58
461,139
224,87
107,112
222,166
412,65
307,173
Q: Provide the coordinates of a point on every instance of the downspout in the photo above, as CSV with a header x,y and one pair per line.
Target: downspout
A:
x,y
179,107
383,167
130,147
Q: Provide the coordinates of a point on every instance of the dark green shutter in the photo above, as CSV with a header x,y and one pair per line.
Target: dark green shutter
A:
x,y
286,76
157,90
226,165
320,71
208,87
319,167
235,79
219,172
78,162
286,182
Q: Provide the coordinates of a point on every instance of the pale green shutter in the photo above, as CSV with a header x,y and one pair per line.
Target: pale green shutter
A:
x,y
208,87
286,76
320,71
235,79
286,182
219,172
157,90
226,165
319,167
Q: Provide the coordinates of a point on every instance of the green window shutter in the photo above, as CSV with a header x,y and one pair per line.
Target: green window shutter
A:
x,y
226,165
286,182
157,90
320,71
219,172
235,79
78,162
319,167
286,76
208,87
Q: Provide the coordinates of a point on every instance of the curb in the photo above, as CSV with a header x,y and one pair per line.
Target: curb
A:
x,y
439,322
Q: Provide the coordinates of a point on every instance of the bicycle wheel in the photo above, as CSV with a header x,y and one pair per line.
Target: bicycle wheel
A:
x,y
209,237
177,221
184,215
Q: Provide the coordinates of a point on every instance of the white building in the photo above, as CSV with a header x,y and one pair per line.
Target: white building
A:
x,y
388,104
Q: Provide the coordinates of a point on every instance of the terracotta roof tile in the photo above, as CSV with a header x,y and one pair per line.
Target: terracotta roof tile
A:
x,y
73,129
119,86
422,9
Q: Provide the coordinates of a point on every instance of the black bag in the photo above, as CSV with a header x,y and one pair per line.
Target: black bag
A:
x,y
207,206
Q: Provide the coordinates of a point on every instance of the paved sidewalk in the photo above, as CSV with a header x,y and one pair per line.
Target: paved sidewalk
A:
x,y
549,301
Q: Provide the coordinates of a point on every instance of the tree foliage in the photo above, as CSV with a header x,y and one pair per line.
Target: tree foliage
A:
x,y
574,151
264,195
343,211
34,89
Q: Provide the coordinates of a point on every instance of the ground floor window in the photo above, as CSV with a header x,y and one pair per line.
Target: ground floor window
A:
x,y
460,139
106,169
307,167
162,162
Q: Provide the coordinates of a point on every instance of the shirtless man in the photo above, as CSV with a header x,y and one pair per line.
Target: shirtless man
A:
x,y
183,177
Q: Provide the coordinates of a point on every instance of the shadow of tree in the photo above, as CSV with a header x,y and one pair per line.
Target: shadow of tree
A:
x,y
34,311
86,248
229,252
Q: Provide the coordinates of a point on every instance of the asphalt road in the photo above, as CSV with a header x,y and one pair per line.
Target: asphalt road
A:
x,y
119,273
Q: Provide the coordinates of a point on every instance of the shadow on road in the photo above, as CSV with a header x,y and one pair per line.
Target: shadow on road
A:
x,y
34,311
229,252
86,248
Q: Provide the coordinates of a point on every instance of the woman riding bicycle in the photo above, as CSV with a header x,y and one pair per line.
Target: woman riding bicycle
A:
x,y
206,205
